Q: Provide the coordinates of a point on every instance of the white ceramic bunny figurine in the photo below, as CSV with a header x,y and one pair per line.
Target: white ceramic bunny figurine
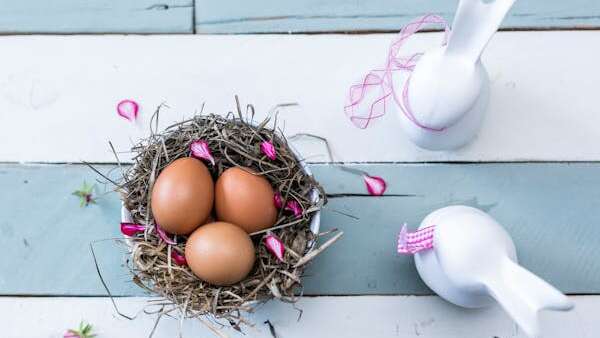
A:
x,y
473,262
448,90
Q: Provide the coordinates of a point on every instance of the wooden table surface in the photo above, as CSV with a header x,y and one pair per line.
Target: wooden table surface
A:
x,y
534,166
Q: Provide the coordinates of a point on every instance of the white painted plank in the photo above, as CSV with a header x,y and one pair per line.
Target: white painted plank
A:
x,y
58,93
368,316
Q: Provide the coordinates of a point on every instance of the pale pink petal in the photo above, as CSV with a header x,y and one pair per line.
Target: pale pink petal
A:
x,y
268,149
201,150
178,258
71,334
278,200
375,185
275,246
128,109
163,235
402,249
131,229
294,207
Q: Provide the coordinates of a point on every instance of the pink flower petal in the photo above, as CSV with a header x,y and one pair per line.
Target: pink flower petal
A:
x,y
294,207
275,246
201,150
268,149
278,200
131,229
178,258
128,109
163,235
71,334
375,185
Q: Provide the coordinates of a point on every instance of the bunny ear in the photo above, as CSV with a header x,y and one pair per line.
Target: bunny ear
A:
x,y
410,243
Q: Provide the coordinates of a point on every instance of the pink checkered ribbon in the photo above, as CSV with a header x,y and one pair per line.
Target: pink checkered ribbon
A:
x,y
412,242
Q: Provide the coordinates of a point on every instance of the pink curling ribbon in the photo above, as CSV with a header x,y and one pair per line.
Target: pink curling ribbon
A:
x,y
382,79
410,243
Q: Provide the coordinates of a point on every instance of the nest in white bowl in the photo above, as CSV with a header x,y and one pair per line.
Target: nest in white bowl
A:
x,y
233,141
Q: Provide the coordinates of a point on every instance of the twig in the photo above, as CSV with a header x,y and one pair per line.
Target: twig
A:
x,y
104,282
315,252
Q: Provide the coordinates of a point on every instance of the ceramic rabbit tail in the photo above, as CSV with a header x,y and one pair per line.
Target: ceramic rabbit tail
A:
x,y
466,257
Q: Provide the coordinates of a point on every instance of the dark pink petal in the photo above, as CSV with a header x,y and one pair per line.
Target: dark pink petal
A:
x,y
294,207
275,246
375,185
128,109
268,149
131,229
163,235
201,150
178,258
278,200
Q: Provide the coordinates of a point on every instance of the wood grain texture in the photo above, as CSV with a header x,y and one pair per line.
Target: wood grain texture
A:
x,y
322,317
96,16
264,16
272,16
551,210
542,104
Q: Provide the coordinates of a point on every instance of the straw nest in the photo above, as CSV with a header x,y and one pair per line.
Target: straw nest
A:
x,y
234,141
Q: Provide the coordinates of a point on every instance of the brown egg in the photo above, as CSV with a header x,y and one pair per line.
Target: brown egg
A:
x,y
245,199
182,196
210,219
220,253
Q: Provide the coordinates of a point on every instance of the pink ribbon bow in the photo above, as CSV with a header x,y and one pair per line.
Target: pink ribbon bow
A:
x,y
381,80
410,243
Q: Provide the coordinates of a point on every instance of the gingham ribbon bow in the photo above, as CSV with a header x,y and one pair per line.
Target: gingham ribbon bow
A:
x,y
412,242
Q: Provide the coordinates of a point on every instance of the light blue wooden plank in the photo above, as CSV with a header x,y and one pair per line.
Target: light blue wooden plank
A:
x,y
96,16
238,16
551,210
45,234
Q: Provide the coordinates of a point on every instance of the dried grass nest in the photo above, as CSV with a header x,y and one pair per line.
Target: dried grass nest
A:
x,y
234,141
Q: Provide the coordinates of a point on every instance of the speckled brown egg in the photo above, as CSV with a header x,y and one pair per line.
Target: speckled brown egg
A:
x,y
220,253
245,199
182,196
